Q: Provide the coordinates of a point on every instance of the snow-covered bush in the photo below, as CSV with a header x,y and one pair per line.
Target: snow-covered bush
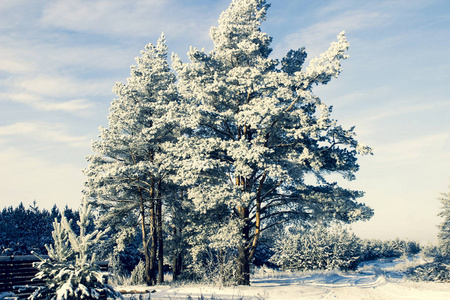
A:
x,y
286,252
393,248
317,248
411,248
444,227
371,249
70,272
210,266
122,250
376,249
431,250
138,274
438,271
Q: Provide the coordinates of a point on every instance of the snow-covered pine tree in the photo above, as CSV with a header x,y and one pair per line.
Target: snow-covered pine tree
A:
x,y
126,173
444,227
70,272
258,130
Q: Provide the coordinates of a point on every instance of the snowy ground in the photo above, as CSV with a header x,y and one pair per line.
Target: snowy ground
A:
x,y
374,280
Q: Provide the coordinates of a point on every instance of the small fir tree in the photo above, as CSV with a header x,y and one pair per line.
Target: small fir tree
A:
x,y
70,272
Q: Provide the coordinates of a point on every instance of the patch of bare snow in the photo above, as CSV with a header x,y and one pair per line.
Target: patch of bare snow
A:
x,y
373,280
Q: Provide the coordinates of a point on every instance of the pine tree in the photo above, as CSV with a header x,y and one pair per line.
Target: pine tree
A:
x,y
257,130
126,175
444,227
70,272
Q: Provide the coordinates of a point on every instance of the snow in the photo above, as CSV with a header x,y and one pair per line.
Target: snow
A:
x,y
381,279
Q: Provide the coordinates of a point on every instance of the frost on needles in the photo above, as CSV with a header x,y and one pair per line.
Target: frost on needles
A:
x,y
258,129
223,149
127,175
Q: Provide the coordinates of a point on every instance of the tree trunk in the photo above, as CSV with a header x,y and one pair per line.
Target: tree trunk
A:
x,y
243,263
149,260
145,247
179,264
257,218
177,260
152,261
159,231
175,273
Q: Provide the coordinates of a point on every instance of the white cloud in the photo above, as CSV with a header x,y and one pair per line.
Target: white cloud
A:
x,y
115,16
351,97
45,85
378,24
25,56
399,111
44,133
14,66
357,20
125,18
75,106
373,118
316,38
66,94
415,151
69,106
5,5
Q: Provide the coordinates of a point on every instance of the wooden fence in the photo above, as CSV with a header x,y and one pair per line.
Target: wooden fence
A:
x,y
16,273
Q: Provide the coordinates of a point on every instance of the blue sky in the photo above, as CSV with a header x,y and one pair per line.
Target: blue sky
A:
x,y
60,59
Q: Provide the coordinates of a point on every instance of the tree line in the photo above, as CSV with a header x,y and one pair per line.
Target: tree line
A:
x,y
30,230
25,229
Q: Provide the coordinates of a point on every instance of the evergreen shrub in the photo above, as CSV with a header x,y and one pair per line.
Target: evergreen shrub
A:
x,y
317,248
